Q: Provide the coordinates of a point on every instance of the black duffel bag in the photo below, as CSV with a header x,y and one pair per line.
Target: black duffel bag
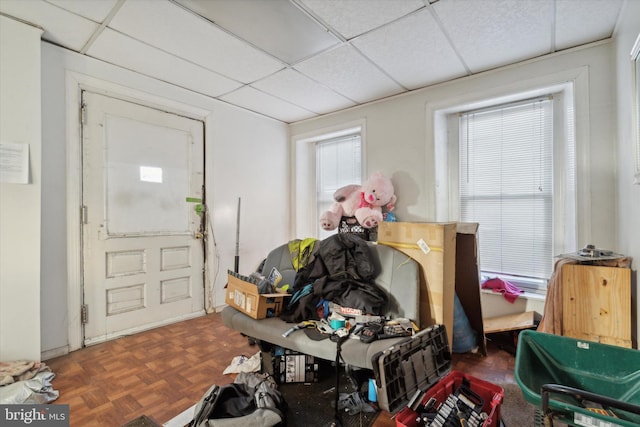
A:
x,y
252,400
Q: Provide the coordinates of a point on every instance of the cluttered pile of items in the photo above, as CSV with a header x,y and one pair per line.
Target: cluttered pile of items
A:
x,y
330,291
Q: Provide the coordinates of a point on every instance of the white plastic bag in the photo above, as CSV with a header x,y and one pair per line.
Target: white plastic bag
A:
x,y
244,364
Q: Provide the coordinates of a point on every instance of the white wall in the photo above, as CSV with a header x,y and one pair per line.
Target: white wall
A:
x,y
400,137
400,140
246,156
20,203
628,195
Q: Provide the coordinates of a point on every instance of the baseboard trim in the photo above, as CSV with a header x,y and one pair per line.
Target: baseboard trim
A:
x,y
54,352
110,336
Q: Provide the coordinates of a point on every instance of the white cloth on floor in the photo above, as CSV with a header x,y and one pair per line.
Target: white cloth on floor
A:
x,y
243,364
36,390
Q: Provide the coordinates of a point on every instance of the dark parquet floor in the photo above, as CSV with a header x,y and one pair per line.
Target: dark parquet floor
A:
x,y
161,372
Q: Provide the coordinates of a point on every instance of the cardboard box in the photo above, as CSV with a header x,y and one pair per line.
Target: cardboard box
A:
x,y
289,366
448,258
244,296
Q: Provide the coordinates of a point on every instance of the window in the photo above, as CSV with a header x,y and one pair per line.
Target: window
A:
x,y
338,163
323,161
484,146
506,185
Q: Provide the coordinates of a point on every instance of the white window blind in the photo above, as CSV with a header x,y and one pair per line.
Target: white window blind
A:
x,y
506,173
338,163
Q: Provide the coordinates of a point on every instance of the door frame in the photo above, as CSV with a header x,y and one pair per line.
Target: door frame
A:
x,y
75,83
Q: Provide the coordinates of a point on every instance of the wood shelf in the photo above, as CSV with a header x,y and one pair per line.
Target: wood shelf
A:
x,y
511,322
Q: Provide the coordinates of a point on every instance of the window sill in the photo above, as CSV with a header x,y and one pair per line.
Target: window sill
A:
x,y
494,304
526,295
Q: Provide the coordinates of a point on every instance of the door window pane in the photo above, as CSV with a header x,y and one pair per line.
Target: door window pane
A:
x,y
147,178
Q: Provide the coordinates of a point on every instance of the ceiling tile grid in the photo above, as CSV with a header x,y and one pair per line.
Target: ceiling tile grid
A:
x,y
95,10
300,90
169,27
260,102
584,21
296,59
349,73
355,17
278,27
158,64
60,26
492,33
413,50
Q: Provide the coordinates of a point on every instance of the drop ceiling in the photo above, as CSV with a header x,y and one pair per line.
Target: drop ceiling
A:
x,y
296,59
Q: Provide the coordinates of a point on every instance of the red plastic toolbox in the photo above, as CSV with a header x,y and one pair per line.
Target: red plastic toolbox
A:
x,y
490,393
412,371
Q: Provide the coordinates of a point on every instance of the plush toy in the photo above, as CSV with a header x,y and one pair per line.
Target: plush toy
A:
x,y
364,202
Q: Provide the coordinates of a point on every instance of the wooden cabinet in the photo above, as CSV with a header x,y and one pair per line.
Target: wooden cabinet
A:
x,y
596,303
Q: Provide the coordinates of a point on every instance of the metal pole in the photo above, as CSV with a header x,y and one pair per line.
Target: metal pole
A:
x,y
237,260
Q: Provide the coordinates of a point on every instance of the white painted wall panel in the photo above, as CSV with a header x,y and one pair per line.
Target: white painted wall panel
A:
x,y
627,215
20,204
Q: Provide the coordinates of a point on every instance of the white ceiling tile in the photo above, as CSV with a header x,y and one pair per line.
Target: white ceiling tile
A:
x,y
152,62
393,45
276,26
175,30
492,33
584,21
412,50
260,102
300,90
96,10
347,72
61,27
354,17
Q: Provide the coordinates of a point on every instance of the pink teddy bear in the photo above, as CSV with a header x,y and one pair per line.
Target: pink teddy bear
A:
x,y
364,202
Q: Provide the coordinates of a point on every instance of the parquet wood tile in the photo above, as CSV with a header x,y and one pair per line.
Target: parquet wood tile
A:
x,y
161,372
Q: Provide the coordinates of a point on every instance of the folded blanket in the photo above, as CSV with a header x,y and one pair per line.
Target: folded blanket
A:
x,y
19,370
25,381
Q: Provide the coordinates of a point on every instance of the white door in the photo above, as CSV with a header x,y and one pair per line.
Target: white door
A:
x,y
143,175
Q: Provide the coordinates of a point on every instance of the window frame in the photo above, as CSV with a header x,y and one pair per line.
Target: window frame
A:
x,y
303,186
446,152
506,113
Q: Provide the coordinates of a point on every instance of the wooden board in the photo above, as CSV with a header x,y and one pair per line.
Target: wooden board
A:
x,y
433,246
511,322
447,254
596,304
